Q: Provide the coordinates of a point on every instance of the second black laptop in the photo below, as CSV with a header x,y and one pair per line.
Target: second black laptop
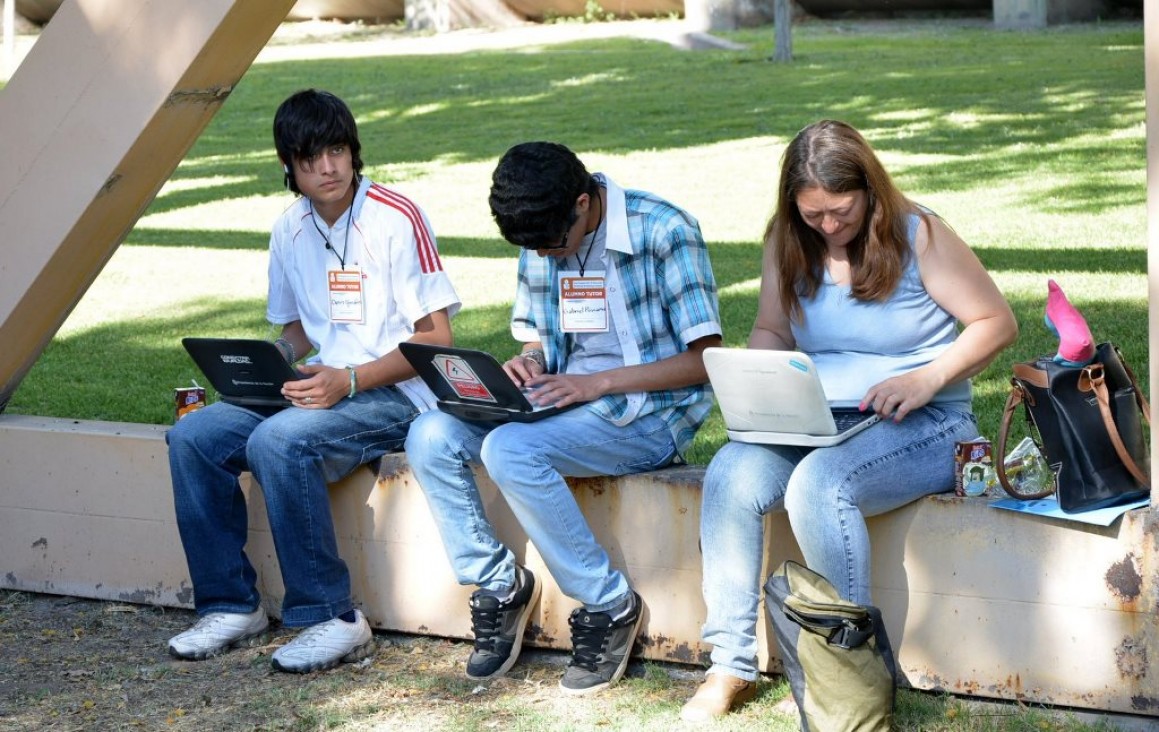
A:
x,y
472,385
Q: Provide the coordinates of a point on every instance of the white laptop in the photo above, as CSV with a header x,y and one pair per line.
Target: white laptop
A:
x,y
775,397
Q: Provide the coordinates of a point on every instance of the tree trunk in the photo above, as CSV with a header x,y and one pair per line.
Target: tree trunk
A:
x,y
783,20
445,15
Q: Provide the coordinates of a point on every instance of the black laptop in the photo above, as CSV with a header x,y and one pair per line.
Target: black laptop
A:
x,y
246,372
472,385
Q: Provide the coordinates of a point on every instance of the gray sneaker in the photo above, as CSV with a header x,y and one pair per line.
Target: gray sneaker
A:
x,y
601,645
326,645
216,633
498,625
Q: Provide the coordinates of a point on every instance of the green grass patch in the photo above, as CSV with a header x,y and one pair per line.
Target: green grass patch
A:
x,y
1031,144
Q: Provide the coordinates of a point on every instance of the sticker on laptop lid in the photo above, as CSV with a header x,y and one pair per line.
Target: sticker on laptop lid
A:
x,y
798,365
462,379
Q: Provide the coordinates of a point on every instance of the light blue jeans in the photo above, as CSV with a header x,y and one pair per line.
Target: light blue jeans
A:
x,y
828,492
293,453
528,463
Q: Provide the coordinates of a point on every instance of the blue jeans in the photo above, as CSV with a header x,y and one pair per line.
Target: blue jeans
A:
x,y
828,492
293,453
528,463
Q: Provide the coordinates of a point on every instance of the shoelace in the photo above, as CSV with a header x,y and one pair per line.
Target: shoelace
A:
x,y
208,622
309,636
588,641
485,624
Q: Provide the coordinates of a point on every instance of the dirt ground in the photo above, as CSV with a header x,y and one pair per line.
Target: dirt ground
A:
x,y
70,664
74,664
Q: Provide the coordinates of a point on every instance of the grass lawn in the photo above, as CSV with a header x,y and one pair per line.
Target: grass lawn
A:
x,y
1031,144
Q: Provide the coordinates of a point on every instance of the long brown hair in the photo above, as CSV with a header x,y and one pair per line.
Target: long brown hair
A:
x,y
834,157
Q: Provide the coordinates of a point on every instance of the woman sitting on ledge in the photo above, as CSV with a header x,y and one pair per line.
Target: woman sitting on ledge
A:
x,y
873,288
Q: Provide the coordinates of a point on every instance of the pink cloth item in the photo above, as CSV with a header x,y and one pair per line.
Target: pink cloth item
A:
x,y
1076,345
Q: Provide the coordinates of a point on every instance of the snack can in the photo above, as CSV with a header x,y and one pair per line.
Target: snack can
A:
x,y
973,467
189,399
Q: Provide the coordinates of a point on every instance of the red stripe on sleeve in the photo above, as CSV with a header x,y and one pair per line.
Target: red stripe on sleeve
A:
x,y
427,252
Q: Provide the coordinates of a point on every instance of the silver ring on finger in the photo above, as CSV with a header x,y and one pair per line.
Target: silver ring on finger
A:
x,y
308,400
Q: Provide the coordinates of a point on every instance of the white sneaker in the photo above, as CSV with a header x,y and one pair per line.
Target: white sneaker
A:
x,y
326,645
216,633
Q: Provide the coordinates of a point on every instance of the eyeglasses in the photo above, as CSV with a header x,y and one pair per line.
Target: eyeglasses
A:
x,y
564,235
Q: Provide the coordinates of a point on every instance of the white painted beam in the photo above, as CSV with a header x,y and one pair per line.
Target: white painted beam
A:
x,y
100,112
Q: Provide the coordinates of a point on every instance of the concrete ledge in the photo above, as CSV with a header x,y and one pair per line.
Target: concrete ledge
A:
x,y
977,601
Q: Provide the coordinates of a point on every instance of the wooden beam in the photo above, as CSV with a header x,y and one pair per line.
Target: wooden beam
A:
x,y
99,114
1151,100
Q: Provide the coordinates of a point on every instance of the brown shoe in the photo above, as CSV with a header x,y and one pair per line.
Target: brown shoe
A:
x,y
717,696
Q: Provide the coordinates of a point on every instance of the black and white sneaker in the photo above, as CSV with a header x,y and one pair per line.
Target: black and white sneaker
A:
x,y
601,645
498,624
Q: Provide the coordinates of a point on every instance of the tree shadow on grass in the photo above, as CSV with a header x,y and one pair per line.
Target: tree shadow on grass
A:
x,y
127,370
1070,259
1026,107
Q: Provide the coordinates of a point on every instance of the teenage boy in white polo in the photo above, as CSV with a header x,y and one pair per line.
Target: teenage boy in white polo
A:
x,y
353,272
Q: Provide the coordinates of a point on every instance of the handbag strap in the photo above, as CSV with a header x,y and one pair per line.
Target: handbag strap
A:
x,y
1144,405
1012,401
1095,375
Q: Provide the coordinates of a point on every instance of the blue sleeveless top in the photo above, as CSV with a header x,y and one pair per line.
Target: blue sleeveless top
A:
x,y
858,344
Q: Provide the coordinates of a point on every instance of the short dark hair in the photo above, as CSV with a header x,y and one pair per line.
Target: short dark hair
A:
x,y
307,122
534,190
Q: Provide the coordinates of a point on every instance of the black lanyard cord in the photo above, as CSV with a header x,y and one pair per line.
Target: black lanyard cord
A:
x,y
595,236
345,235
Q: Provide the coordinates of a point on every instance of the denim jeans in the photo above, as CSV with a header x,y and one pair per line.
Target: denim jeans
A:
x,y
528,463
293,453
828,492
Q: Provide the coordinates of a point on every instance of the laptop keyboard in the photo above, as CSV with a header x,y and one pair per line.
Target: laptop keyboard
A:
x,y
846,419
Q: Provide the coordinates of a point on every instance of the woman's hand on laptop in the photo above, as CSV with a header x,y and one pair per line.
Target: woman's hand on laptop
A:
x,y
899,395
321,388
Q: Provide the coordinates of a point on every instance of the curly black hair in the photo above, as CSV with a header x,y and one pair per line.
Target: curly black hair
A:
x,y
534,190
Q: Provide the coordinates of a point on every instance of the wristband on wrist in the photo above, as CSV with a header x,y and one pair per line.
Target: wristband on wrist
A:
x,y
353,382
536,355
287,349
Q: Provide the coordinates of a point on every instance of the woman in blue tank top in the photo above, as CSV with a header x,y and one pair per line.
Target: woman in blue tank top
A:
x,y
874,288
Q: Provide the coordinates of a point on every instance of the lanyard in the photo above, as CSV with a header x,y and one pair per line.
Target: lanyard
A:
x,y
595,236
345,235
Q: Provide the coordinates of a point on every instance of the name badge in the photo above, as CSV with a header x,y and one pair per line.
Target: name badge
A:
x,y
583,302
346,302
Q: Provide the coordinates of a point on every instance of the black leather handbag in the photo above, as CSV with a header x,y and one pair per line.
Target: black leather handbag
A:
x,y
1089,422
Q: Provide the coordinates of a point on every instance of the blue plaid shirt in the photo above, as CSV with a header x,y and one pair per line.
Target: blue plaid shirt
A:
x,y
658,262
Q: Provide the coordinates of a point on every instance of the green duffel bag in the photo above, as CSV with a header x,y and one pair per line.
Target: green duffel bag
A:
x,y
836,653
